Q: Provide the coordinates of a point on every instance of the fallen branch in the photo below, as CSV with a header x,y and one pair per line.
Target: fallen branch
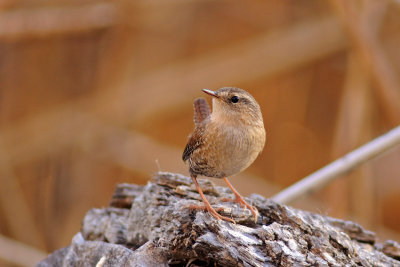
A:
x,y
153,225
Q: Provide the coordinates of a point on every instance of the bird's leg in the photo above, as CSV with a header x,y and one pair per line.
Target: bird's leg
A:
x,y
208,206
239,199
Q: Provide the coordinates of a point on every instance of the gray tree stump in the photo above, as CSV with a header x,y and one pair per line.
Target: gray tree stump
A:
x,y
153,225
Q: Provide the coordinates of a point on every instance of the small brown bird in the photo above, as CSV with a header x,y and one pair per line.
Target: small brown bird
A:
x,y
226,141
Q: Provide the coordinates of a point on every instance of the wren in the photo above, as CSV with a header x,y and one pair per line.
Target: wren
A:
x,y
225,141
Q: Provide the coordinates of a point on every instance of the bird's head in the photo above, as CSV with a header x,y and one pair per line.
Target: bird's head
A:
x,y
231,103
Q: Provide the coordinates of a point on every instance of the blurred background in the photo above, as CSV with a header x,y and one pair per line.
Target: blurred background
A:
x,y
95,93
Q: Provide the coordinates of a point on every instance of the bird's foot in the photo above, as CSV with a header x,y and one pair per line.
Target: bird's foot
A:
x,y
203,208
212,211
239,199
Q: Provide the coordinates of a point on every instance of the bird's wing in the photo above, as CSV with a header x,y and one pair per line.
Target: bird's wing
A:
x,y
201,110
195,141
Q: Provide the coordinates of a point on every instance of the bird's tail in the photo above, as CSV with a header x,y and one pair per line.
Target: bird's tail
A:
x,y
201,110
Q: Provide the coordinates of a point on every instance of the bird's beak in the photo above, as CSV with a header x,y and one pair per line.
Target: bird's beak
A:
x,y
210,92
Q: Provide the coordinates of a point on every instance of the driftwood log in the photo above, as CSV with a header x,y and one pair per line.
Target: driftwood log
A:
x,y
153,225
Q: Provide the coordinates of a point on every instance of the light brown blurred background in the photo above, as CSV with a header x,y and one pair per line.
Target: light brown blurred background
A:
x,y
95,93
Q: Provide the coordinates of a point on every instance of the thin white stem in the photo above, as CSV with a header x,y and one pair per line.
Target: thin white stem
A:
x,y
340,166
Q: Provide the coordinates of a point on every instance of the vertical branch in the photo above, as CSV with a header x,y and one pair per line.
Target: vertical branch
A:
x,y
352,128
373,58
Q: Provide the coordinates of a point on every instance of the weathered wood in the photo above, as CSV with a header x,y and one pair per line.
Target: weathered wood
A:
x,y
153,225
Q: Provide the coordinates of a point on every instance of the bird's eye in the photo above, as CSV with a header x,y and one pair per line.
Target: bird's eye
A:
x,y
234,99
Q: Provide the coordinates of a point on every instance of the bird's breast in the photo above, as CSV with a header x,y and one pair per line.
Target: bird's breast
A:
x,y
235,147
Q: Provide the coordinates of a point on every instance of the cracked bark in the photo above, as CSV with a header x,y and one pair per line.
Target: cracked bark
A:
x,y
152,226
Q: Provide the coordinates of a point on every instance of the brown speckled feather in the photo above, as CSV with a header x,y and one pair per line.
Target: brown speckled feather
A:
x,y
195,141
